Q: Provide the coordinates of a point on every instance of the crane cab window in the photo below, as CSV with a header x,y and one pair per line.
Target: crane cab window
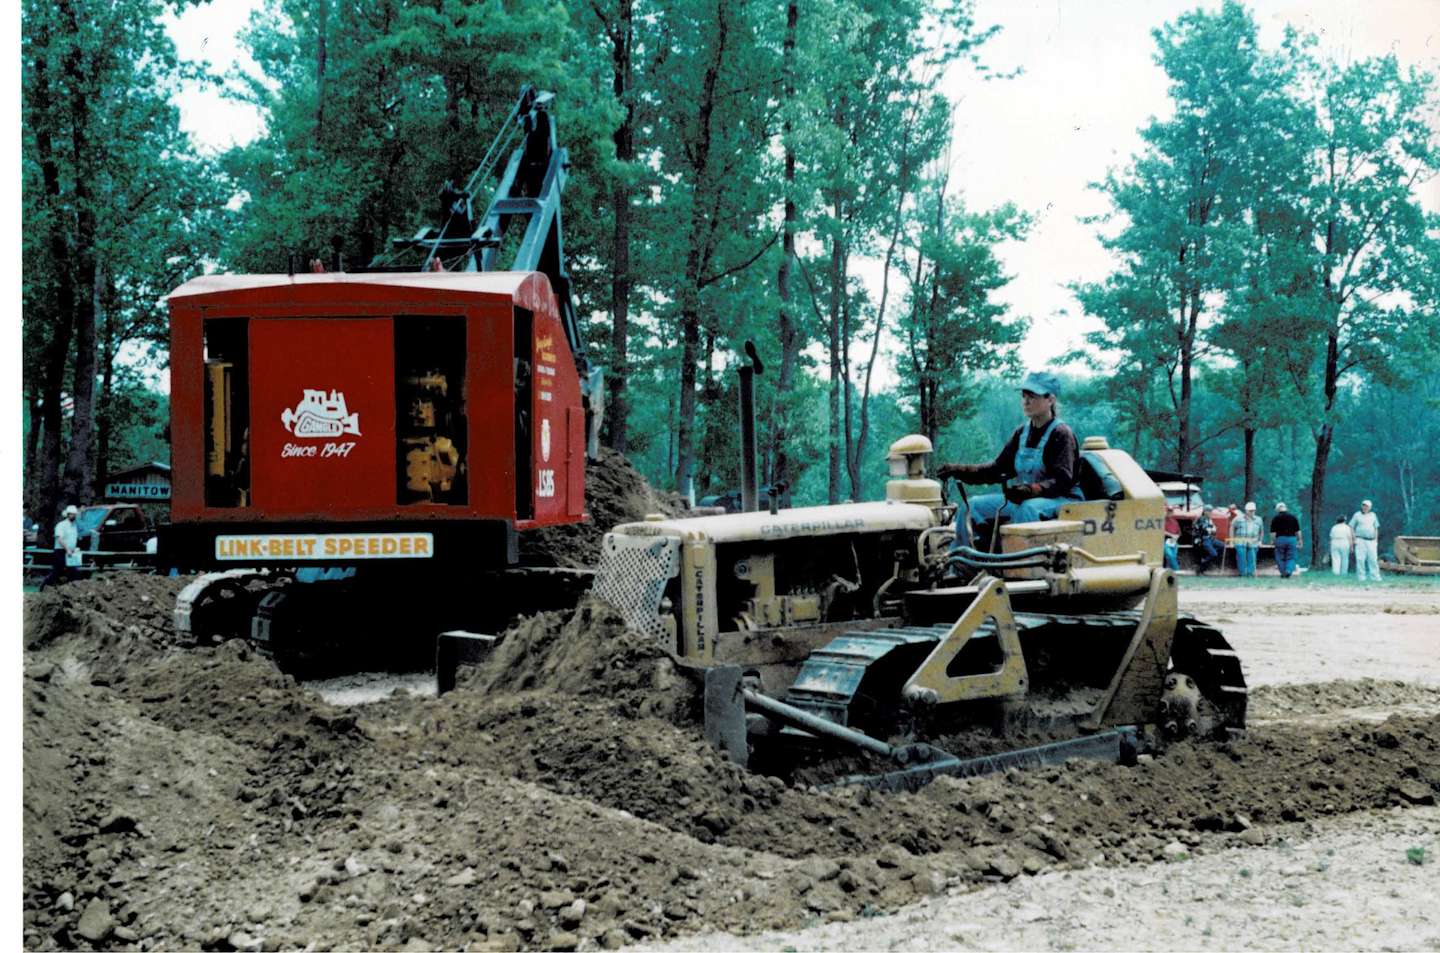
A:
x,y
430,431
227,412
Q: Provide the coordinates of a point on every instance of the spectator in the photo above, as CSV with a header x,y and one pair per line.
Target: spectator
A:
x,y
1246,533
1172,538
1366,525
1288,541
1207,547
1342,540
67,549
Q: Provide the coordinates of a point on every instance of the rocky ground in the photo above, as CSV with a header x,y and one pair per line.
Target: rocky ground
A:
x,y
563,798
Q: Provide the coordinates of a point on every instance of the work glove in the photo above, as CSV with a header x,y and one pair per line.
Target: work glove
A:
x,y
960,471
1021,492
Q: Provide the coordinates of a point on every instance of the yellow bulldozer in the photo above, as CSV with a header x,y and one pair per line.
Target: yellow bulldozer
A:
x,y
841,627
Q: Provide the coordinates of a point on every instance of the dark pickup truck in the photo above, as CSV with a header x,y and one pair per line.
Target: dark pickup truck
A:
x,y
109,534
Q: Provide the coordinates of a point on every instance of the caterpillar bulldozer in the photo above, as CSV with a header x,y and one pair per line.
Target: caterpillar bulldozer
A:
x,y
842,627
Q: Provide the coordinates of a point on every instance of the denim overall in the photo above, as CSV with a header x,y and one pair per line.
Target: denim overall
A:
x,y
1029,467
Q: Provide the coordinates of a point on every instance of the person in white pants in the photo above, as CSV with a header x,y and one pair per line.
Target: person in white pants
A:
x,y
1366,524
1342,540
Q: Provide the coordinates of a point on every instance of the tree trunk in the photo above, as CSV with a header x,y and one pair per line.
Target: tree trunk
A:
x,y
320,75
690,292
79,477
833,346
1187,359
105,406
48,482
789,348
31,493
618,409
1323,441
1249,464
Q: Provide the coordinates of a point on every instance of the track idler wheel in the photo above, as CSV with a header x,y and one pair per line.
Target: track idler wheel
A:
x,y
1184,712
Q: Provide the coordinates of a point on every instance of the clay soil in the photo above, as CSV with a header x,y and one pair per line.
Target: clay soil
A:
x,y
563,797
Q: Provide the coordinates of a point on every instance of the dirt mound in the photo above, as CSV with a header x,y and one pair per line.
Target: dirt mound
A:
x,y
615,493
1323,698
590,651
106,625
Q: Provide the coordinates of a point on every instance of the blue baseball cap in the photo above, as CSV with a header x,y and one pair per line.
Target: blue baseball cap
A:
x,y
1041,382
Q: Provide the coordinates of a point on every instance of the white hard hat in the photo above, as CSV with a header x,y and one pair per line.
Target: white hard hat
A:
x,y
1366,503
1250,505
72,511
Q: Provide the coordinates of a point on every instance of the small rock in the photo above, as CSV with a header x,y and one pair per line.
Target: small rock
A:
x,y
612,940
819,868
142,789
526,907
66,901
1253,836
96,922
893,856
417,944
1004,866
929,884
464,878
243,941
117,824
1295,870
555,899
308,892
125,934
419,899
840,916
571,916
354,868
1243,822
1416,792
564,941
1175,851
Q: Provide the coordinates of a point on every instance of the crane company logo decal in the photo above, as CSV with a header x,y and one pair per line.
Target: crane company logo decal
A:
x,y
545,439
319,416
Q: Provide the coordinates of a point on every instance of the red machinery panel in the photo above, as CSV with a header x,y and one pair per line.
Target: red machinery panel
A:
x,y
322,405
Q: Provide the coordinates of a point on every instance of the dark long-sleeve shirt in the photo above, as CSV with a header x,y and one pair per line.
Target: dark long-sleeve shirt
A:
x,y
1061,458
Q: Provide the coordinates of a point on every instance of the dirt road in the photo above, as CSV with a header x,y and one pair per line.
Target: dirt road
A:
x,y
562,799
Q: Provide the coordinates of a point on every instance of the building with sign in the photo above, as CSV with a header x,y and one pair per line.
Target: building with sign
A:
x,y
148,484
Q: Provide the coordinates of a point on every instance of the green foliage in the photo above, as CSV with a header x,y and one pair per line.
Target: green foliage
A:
x,y
1416,855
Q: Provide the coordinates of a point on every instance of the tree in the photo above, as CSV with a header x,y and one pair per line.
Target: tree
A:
x,y
1371,244
1181,204
710,148
954,330
111,190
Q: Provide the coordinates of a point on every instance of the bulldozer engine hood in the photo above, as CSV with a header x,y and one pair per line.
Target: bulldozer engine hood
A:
x,y
838,520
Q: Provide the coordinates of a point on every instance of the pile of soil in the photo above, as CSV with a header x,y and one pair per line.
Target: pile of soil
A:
x,y
615,493
1317,699
107,624
564,797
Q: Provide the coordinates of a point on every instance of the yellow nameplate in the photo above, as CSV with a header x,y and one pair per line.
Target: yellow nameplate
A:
x,y
326,546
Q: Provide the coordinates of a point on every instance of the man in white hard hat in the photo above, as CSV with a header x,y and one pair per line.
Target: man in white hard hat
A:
x,y
67,548
1366,524
1246,533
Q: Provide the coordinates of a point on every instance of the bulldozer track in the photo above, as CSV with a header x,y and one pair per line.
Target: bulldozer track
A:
x,y
849,680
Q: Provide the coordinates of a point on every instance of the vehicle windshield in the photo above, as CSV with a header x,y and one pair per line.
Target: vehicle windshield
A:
x,y
1177,498
91,519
